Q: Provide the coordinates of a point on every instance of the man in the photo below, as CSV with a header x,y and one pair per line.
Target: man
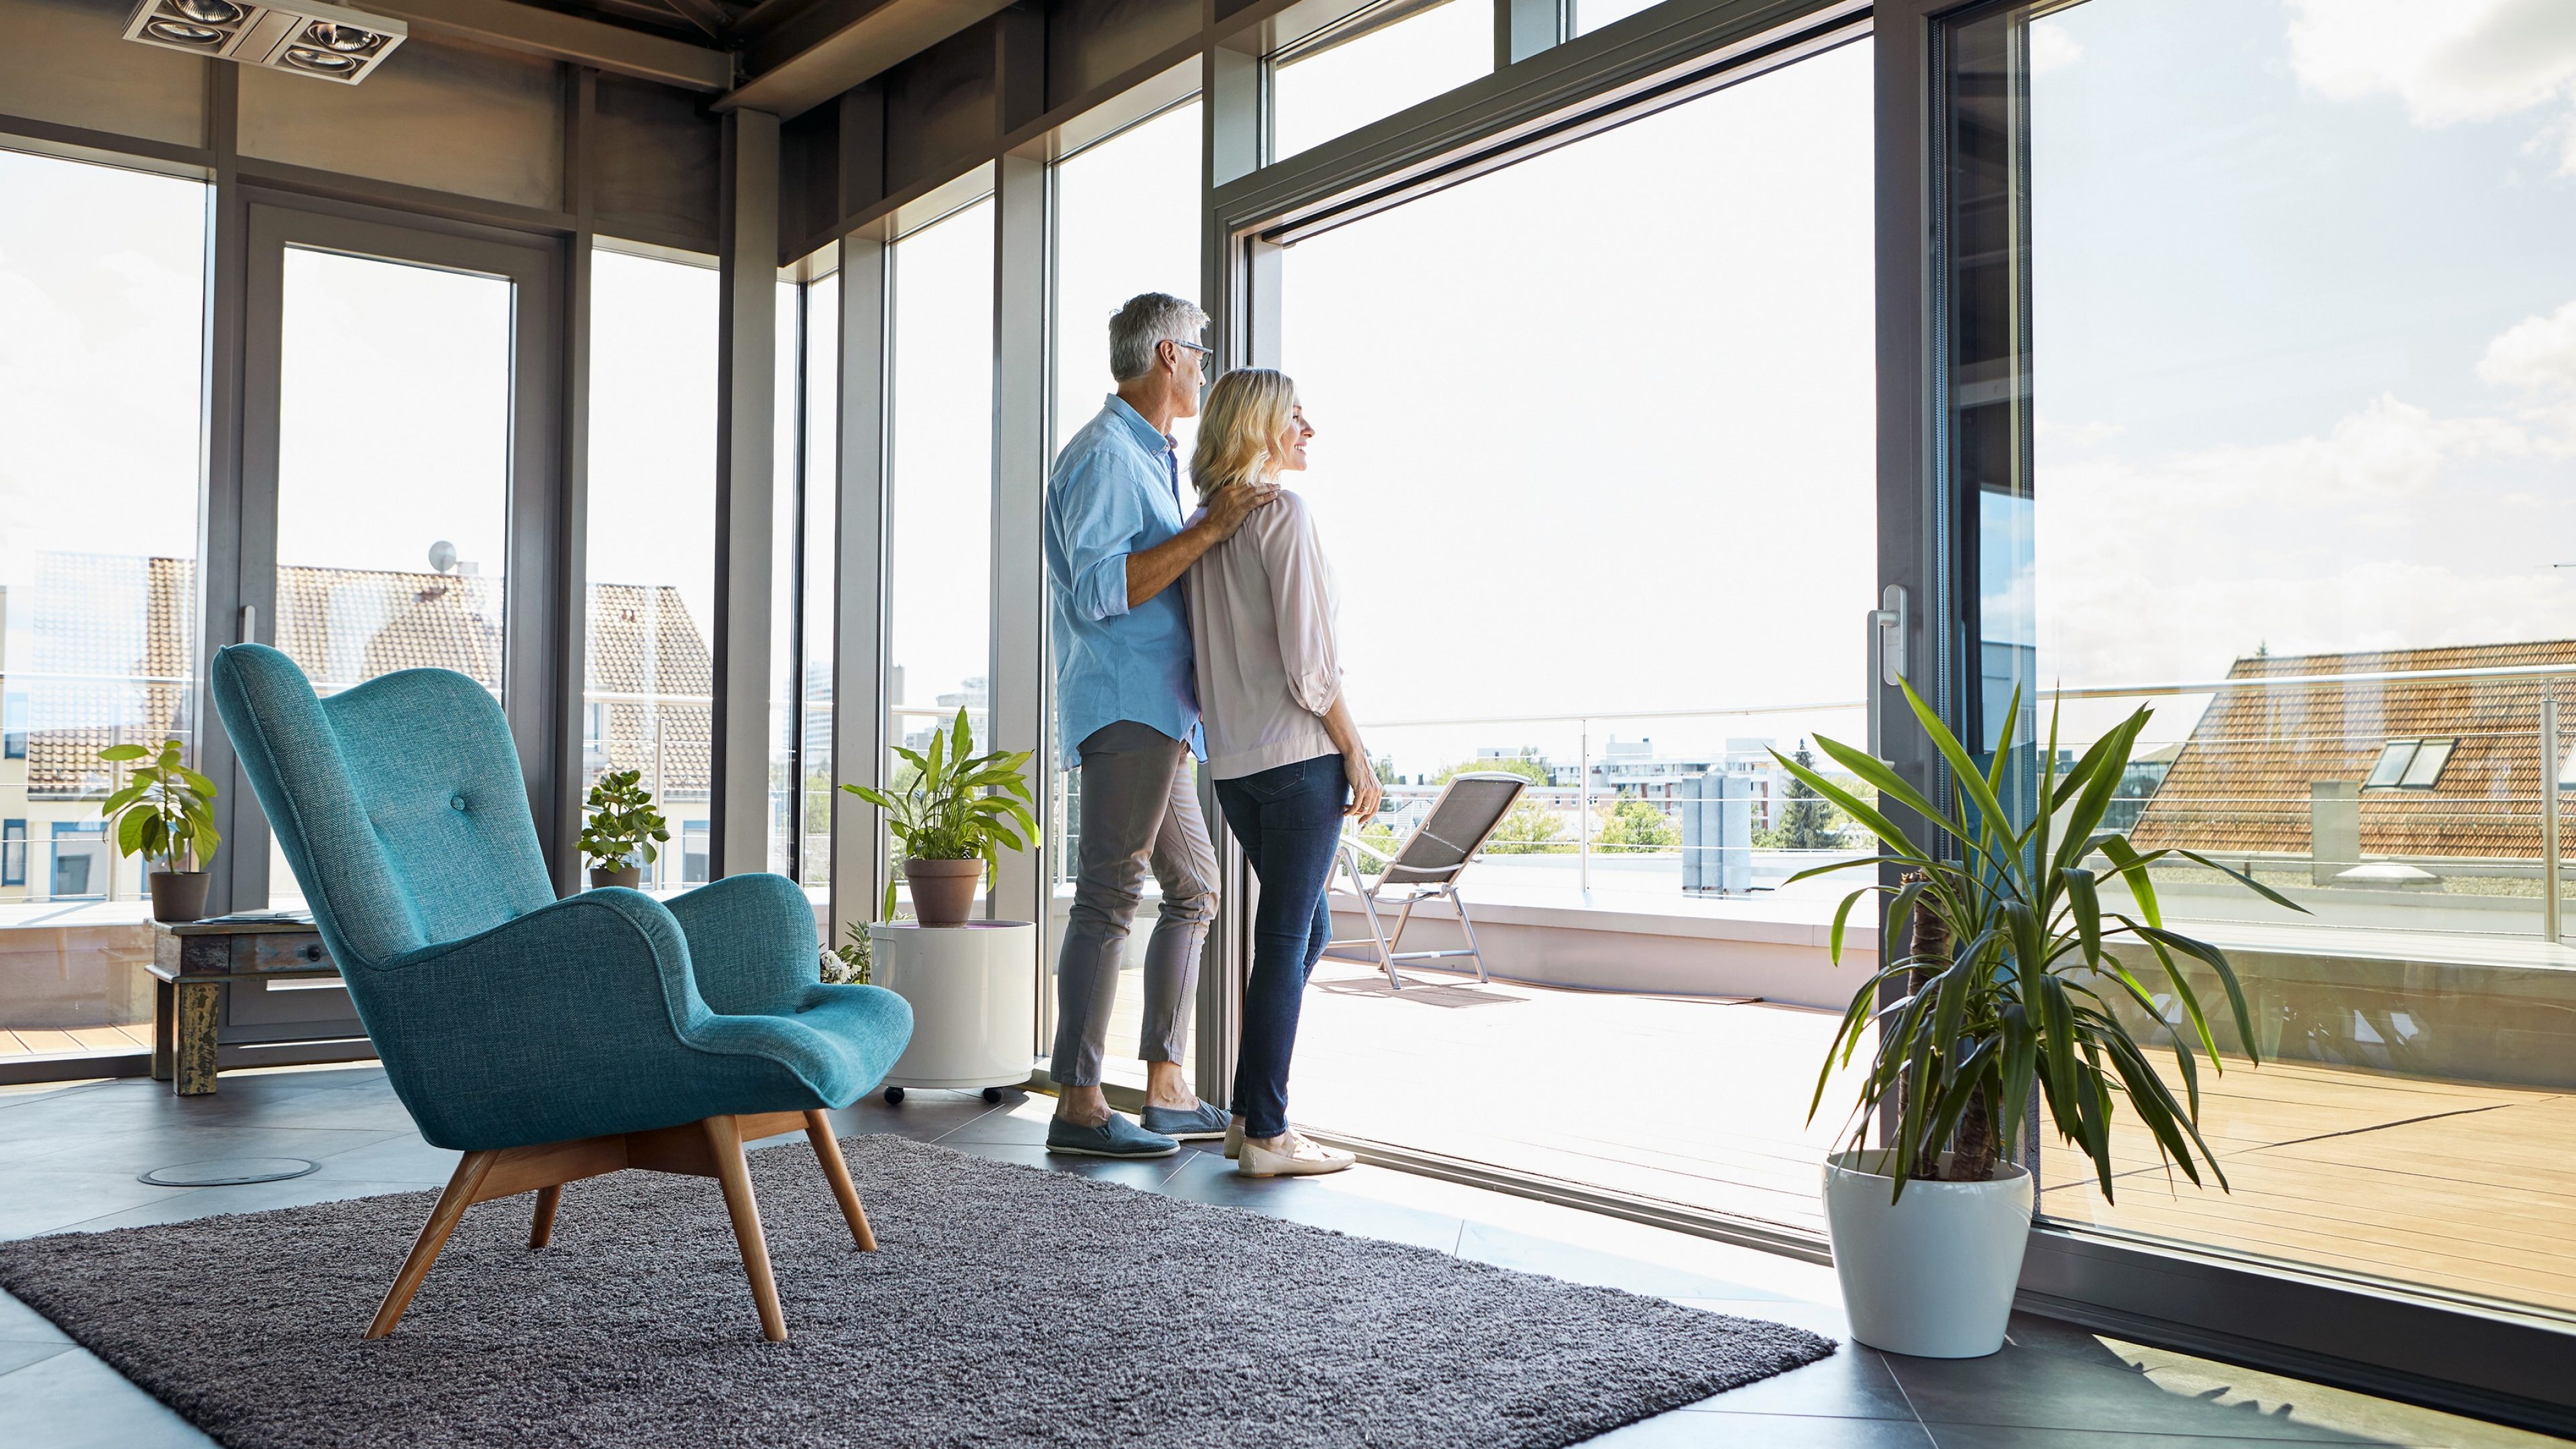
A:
x,y
1118,540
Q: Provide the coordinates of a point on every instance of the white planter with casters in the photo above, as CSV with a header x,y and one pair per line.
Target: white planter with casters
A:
x,y
1933,1273
973,990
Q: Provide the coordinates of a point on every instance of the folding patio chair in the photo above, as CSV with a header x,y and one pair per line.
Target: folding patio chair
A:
x,y
1428,862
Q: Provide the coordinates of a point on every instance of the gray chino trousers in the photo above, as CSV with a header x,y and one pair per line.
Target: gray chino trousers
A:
x,y
1139,811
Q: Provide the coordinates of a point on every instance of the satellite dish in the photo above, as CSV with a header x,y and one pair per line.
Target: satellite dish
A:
x,y
442,556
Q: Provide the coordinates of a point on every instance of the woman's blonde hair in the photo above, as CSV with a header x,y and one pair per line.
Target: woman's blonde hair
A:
x,y
1246,412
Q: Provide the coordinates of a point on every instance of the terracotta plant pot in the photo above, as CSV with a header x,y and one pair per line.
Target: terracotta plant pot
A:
x,y
631,877
943,891
178,895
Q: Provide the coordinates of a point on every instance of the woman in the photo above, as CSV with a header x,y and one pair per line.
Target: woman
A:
x,y
1287,761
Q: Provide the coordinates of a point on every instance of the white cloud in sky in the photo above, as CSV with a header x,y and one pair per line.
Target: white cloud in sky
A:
x,y
2366,535
2448,61
2053,47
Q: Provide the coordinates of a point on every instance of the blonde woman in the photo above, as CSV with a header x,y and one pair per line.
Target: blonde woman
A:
x,y
1287,761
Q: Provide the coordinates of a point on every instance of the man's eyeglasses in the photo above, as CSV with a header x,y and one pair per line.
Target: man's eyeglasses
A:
x,y
1207,355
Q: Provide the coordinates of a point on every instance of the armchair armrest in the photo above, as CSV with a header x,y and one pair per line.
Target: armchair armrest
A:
x,y
751,943
573,1020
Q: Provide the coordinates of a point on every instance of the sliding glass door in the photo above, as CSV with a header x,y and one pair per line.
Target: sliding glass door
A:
x,y
1594,465
2263,391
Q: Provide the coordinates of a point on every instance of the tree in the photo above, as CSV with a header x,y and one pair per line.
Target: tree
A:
x,y
1807,821
1532,770
1636,826
1386,769
1529,828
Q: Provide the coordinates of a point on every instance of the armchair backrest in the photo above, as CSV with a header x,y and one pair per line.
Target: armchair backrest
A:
x,y
399,803
1467,812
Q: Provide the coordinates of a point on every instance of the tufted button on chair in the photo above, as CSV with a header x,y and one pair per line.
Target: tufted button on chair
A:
x,y
547,1040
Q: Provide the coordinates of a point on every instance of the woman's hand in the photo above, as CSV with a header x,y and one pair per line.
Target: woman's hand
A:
x,y
1365,791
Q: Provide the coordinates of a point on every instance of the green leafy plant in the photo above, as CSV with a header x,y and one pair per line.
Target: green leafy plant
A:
x,y
2002,985
166,811
848,964
1636,826
623,827
954,805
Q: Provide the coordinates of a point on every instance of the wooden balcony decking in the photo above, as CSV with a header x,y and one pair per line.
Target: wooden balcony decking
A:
x,y
2462,1188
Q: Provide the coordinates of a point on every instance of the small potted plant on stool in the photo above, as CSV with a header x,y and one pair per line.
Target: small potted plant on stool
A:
x,y
624,832
952,817
165,812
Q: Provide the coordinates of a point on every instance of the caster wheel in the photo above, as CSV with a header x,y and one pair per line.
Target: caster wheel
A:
x,y
993,1094
894,1096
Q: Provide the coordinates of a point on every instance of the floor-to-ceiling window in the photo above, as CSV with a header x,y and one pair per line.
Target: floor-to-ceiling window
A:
x,y
2265,393
786,441
939,509
1372,63
1126,221
1594,465
101,286
818,579
651,591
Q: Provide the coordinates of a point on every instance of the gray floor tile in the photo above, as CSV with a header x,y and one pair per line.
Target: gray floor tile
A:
x,y
207,1202
2026,1389
1687,1430
1853,1384
73,1401
1576,1263
43,1200
1146,1176
22,1324
1341,1202
143,1149
2000,1436
393,1159
16,1354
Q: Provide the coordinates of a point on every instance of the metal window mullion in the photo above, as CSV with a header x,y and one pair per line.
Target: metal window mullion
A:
x,y
1018,664
738,838
859,719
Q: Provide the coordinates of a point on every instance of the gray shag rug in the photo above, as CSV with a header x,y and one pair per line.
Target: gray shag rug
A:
x,y
1008,1306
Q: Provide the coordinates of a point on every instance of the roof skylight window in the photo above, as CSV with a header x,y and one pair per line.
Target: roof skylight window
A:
x,y
2414,764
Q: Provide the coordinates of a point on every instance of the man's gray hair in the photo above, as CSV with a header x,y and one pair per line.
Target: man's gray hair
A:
x,y
1136,329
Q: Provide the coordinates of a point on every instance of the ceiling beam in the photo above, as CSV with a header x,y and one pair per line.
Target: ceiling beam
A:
x,y
556,36
707,15
816,54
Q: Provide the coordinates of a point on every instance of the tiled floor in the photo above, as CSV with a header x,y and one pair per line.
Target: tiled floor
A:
x,y
68,1160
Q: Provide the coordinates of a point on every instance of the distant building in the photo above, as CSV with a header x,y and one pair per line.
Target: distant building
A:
x,y
1635,770
102,656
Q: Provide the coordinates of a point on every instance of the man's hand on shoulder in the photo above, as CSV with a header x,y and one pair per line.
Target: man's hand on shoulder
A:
x,y
1228,506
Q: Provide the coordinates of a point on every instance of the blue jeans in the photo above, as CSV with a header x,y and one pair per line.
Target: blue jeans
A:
x,y
1289,820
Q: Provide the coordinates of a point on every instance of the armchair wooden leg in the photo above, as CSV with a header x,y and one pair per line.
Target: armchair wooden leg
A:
x,y
548,1198
827,1150
724,1143
461,1188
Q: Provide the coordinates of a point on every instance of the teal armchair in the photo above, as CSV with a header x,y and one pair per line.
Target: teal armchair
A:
x,y
546,1040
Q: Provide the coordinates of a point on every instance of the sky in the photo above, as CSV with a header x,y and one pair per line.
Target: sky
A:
x,y
2304,330
1594,432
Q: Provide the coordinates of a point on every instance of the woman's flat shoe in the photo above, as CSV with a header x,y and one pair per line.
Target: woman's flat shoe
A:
x,y
1300,1158
1233,1139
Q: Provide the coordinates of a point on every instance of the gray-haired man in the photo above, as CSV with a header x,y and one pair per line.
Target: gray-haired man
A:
x,y
1117,542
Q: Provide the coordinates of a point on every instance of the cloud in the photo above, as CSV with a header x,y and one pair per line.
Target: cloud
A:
x,y
2053,47
2447,61
2537,354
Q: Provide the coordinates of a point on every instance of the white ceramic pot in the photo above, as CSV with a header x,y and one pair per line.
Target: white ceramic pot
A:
x,y
1931,1274
973,990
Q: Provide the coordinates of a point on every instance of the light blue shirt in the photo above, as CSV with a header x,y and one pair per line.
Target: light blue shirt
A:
x,y
1116,490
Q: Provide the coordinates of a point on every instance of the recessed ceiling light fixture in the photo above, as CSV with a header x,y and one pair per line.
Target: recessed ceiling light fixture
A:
x,y
304,37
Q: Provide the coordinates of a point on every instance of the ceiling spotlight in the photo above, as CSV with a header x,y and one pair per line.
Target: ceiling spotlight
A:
x,y
300,37
321,60
179,32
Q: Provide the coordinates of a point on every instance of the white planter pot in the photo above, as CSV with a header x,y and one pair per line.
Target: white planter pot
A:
x,y
1932,1274
973,990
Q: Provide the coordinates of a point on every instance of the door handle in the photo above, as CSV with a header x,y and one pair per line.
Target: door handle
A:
x,y
249,623
1886,658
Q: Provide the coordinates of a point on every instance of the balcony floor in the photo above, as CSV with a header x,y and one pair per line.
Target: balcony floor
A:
x,y
2462,1188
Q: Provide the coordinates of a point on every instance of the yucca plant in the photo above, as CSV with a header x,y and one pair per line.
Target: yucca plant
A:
x,y
2003,982
957,806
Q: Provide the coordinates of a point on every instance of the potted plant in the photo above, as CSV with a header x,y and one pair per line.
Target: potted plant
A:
x,y
165,812
623,832
953,816
2006,987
